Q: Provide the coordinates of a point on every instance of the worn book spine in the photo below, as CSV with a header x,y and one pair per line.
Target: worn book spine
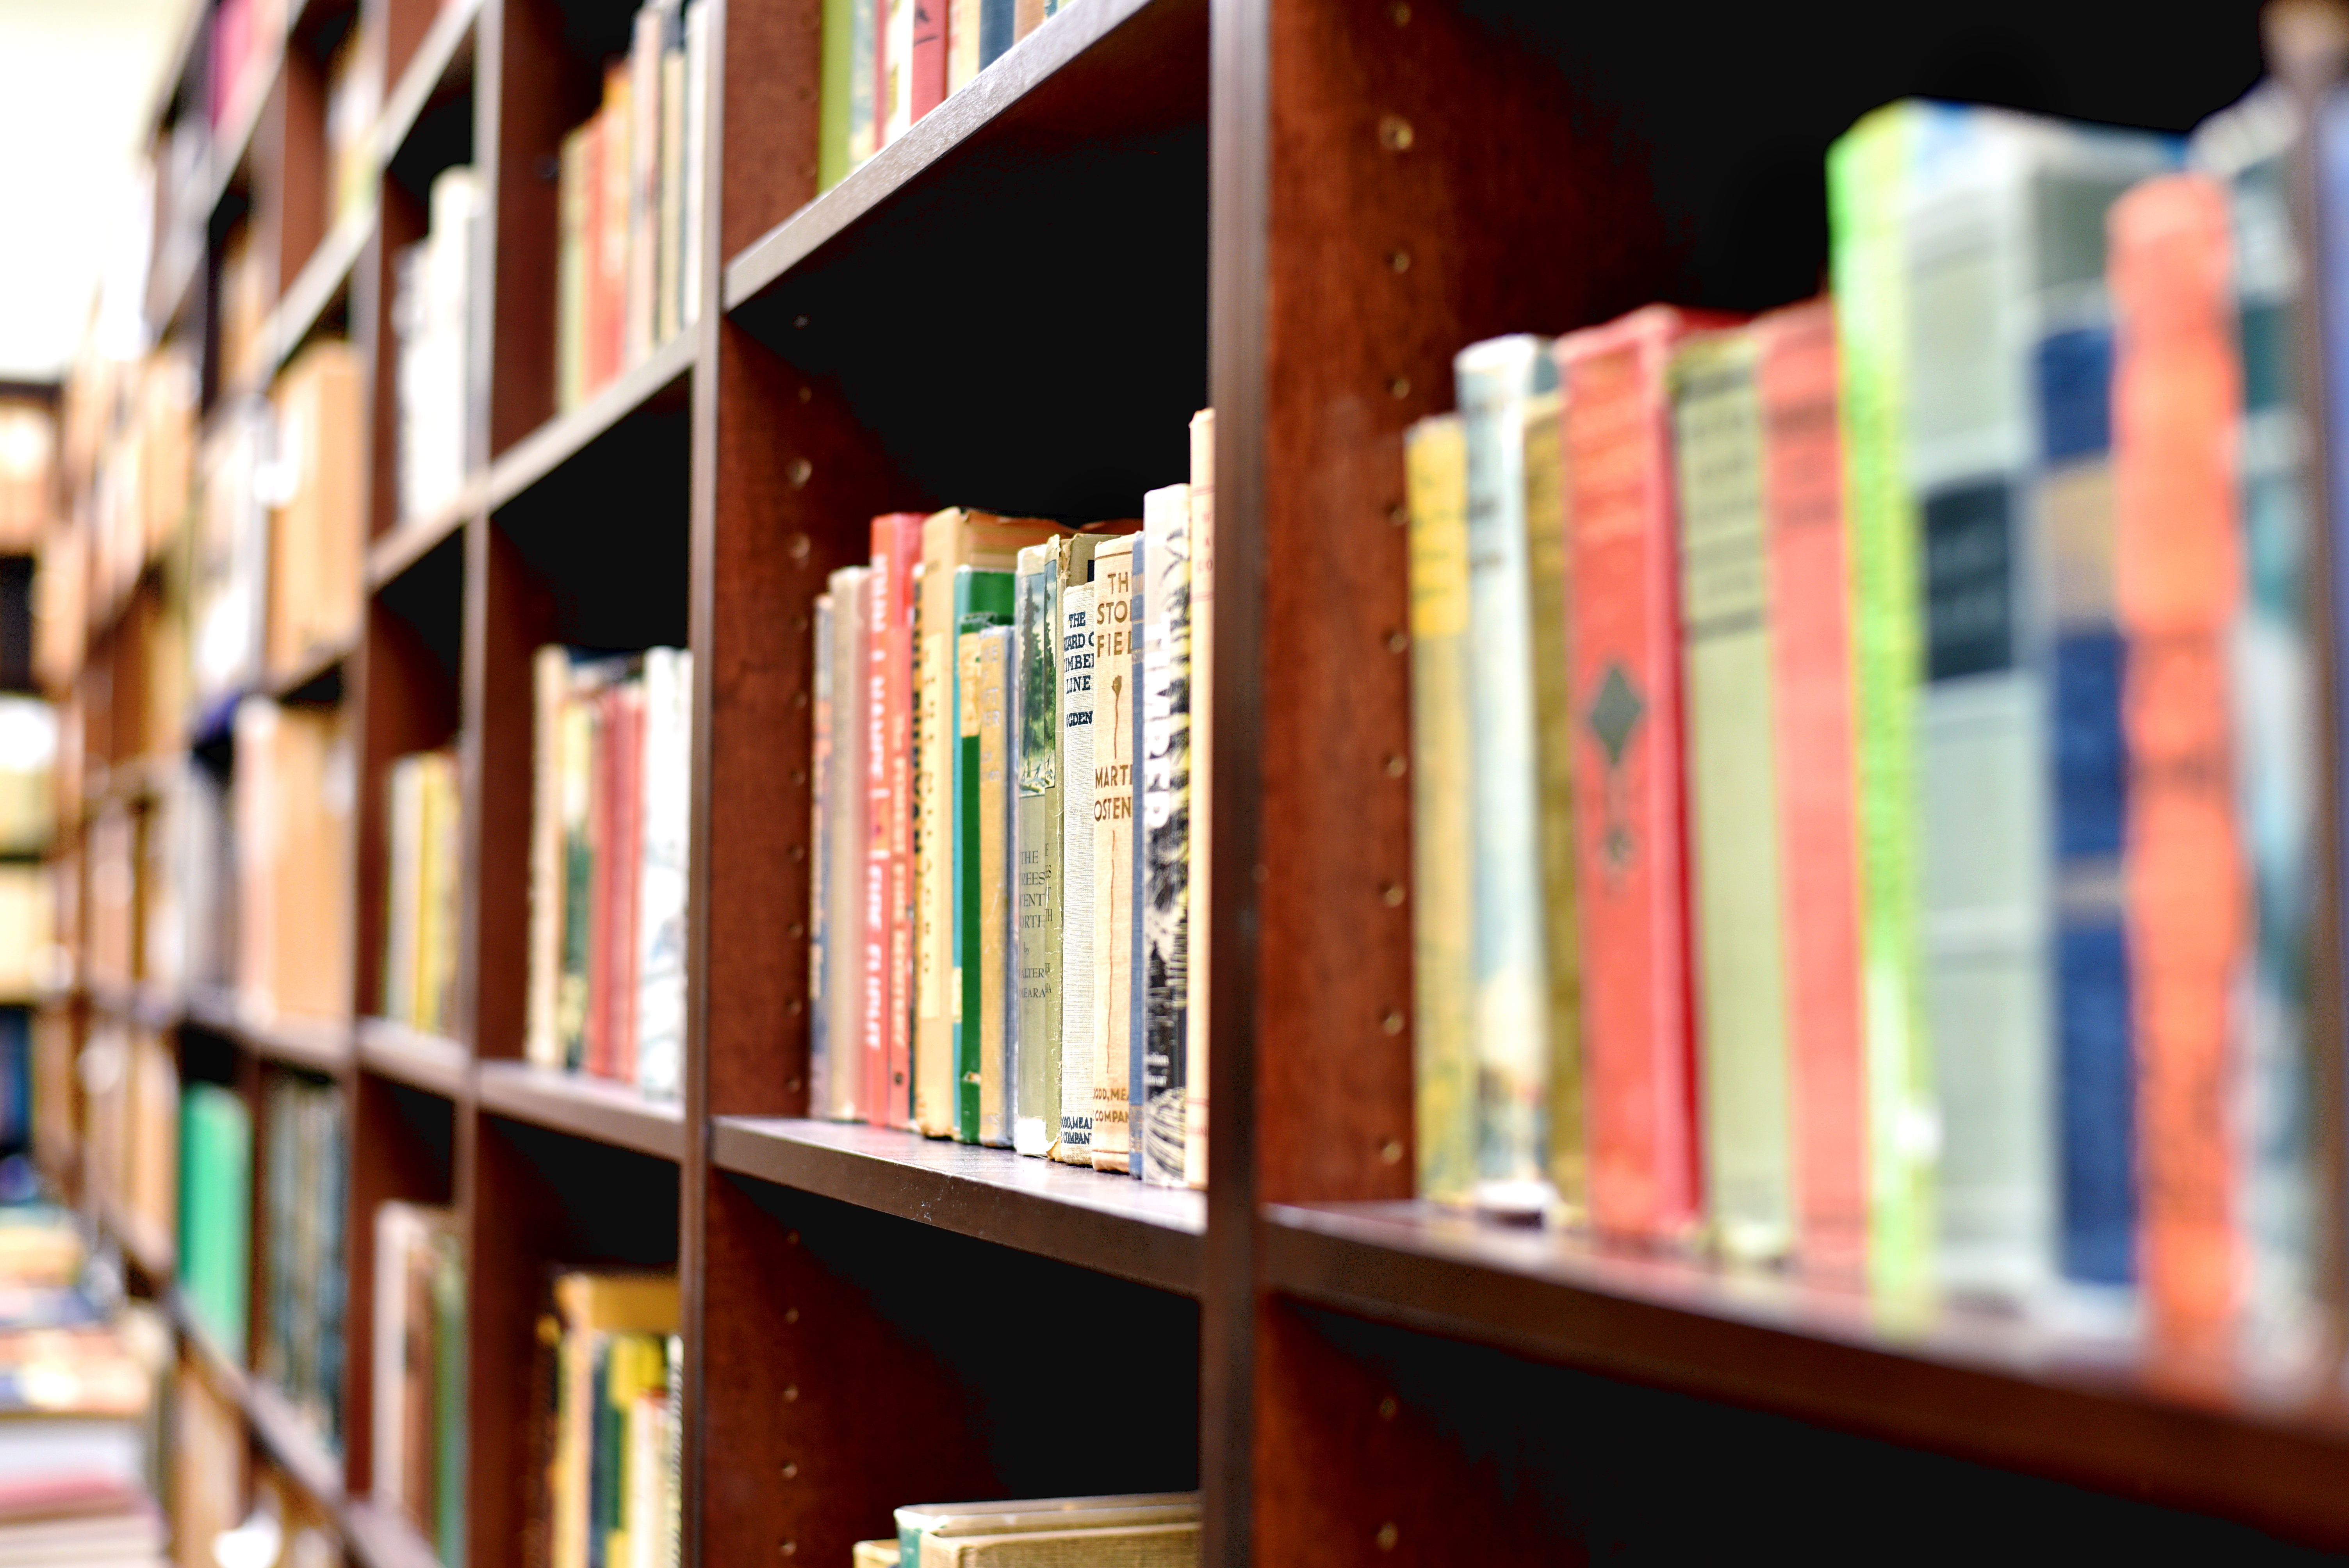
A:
x,y
962,42
697,157
1810,651
933,1067
2177,571
603,889
1630,860
644,180
999,899
864,59
820,830
1198,890
1726,627
1035,1069
1137,1027
1075,1143
551,680
1507,946
671,299
1163,793
928,87
662,891
995,29
834,94
836,1079
981,599
889,947
1444,1040
1868,181
1112,927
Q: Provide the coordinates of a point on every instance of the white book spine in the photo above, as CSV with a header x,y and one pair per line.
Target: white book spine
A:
x,y
1077,976
696,155
662,891
644,180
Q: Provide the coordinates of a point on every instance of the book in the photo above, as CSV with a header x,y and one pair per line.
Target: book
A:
x,y
1727,620
663,879
962,42
1120,1547
833,92
1198,889
1074,1144
216,1193
315,570
820,853
1115,643
698,181
998,905
1508,949
996,25
1162,798
927,86
1137,845
669,304
294,797
644,66
888,875
1630,866
612,1340
550,683
917,1523
421,935
2178,577
981,600
578,162
1811,667
866,100
836,1077
408,1238
1443,1037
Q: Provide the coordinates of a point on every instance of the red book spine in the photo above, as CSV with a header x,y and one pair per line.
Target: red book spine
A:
x,y
929,82
628,856
1631,838
2177,574
599,890
1810,620
889,936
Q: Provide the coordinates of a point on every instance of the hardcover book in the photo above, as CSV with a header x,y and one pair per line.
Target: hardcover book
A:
x,y
888,875
1198,889
1162,794
982,599
1112,927
836,1078
820,851
1034,1065
1074,1144
999,898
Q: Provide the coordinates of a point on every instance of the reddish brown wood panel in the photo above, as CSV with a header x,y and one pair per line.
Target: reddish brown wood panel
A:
x,y
399,223
534,91
796,483
508,616
295,183
774,58
407,703
399,1148
1398,232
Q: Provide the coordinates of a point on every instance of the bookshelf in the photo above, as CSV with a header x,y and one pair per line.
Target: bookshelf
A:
x,y
1294,211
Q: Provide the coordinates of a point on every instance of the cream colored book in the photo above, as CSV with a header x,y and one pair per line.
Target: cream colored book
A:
x,y
873,1554
1031,1516
551,681
1202,760
1075,1144
1128,1546
1114,636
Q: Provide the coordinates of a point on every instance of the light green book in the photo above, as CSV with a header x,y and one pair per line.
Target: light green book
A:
x,y
1867,175
215,1199
1741,1000
1443,1044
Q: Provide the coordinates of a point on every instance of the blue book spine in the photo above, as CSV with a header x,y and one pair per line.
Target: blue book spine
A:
x,y
995,27
2088,766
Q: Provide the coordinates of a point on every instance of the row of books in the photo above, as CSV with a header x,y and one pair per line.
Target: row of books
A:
x,y
1009,725
423,891
887,63
1864,783
436,391
419,1385
628,264
611,821
306,1170
610,1435
1132,1530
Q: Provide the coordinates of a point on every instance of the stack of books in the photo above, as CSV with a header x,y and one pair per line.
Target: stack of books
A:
x,y
433,312
423,891
612,815
1009,832
1865,789
628,264
308,1169
1143,1530
611,1441
419,1372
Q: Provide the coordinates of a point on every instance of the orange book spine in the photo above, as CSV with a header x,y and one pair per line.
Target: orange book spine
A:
x,y
889,863
1630,842
1810,612
2177,578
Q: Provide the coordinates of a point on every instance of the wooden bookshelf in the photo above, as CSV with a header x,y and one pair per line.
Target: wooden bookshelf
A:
x,y
1294,211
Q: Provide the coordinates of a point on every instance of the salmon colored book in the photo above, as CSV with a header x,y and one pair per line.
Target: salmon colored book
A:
x,y
2178,578
1632,859
889,860
1810,618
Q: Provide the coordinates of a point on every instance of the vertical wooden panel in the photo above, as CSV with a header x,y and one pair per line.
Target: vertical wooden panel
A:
x,y
400,1147
773,62
507,618
531,92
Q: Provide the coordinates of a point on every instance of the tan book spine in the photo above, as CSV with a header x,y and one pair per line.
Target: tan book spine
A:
x,y
995,994
1113,642
934,1096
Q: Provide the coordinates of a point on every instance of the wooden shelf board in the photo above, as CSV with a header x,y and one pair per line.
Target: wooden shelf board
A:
x,y
589,1108
382,1538
409,542
326,275
560,439
291,1440
308,680
1062,48
1984,1384
148,1005
1114,1224
423,1061
320,1044
154,1253
443,60
229,152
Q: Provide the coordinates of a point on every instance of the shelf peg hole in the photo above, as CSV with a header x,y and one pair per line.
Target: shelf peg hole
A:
x,y
1397,642
1398,259
791,1466
1387,1408
1399,389
791,1313
1392,1021
799,699
792,1084
799,929
806,392
1398,515
1390,1152
1387,1536
801,472
791,1238
800,547
799,323
1392,896
791,1548
791,1393
1401,13
1394,133
799,775
1397,765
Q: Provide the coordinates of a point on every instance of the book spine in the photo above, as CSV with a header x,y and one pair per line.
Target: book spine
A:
x,y
1726,627
999,907
576,177
1198,889
864,77
821,826
669,303
927,88
888,943
1113,831
603,831
1074,1144
1508,948
1163,795
1444,1040
1035,1091
934,1065
962,43
610,310
1866,184
629,853
1026,16
644,180
895,91
1631,862
836,1080
1137,847
1818,848
696,155
2177,574
662,891
995,30
578,786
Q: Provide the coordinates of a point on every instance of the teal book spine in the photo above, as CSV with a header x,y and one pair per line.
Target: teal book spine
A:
x,y
982,598
1508,947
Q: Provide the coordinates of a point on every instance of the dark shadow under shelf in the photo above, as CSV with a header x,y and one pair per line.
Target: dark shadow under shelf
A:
x,y
588,1108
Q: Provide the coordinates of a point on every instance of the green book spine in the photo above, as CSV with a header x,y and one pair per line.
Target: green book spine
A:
x,y
1867,172
981,599
1732,795
1443,1042
449,1399
1035,1080
832,162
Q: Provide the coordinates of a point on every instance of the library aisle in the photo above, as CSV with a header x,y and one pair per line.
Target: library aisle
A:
x,y
687,687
